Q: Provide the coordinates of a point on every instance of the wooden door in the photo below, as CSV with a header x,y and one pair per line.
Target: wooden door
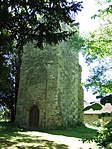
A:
x,y
34,117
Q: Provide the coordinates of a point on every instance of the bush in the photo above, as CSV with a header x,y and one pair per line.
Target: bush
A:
x,y
104,136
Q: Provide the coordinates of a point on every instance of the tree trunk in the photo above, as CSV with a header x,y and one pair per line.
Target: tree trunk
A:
x,y
12,118
18,63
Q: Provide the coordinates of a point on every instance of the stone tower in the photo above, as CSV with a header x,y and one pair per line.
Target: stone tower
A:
x,y
50,93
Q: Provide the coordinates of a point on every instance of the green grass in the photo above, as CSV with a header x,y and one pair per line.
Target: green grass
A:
x,y
12,137
81,132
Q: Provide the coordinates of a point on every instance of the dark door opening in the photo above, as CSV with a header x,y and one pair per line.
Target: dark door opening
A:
x,y
34,117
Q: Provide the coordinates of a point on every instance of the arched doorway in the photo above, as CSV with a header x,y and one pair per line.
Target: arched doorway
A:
x,y
34,117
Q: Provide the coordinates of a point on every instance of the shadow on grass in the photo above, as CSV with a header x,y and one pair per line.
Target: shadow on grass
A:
x,y
14,138
78,132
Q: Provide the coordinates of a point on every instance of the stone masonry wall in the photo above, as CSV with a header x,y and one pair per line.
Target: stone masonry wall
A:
x,y
38,86
69,81
50,79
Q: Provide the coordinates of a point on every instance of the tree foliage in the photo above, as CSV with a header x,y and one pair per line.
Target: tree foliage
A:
x,y
23,21
93,106
98,54
7,80
27,20
104,136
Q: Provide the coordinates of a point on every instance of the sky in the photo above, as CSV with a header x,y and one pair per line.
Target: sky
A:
x,y
86,25
90,8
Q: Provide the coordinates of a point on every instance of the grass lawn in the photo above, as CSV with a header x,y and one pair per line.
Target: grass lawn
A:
x,y
12,137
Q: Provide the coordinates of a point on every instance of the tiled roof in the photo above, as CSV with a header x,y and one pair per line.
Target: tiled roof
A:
x,y
106,109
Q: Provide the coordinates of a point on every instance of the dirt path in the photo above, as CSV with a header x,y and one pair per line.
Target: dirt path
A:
x,y
70,142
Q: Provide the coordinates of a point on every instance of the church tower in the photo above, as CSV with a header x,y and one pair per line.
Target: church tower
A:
x,y
50,93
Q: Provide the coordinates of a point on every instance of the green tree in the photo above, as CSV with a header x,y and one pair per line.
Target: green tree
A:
x,y
23,21
98,54
28,20
7,79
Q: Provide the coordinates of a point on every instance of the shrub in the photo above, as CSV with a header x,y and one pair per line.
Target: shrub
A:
x,y
104,136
